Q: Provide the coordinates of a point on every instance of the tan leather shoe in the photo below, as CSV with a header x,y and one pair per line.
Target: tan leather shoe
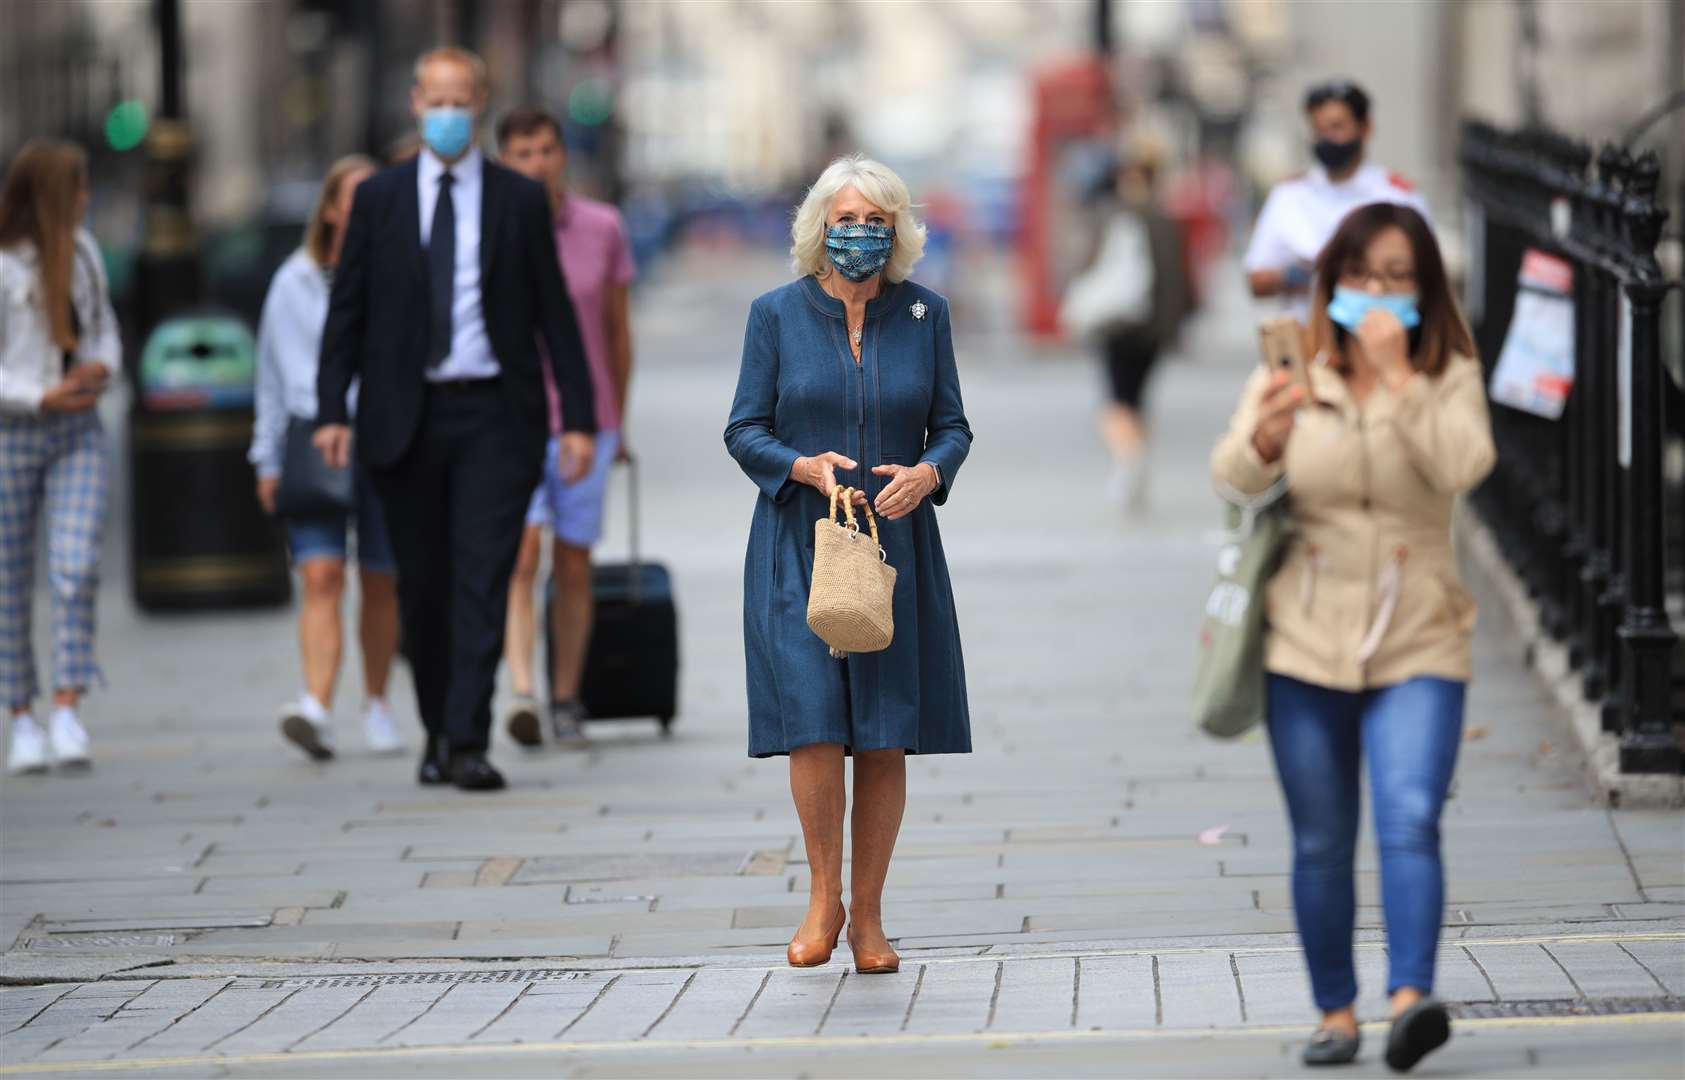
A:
x,y
813,954
874,963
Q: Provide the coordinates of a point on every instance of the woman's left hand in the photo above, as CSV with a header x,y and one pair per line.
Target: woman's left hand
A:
x,y
91,375
1386,347
907,488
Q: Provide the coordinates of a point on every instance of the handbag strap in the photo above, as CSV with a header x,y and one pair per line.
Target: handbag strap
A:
x,y
1251,506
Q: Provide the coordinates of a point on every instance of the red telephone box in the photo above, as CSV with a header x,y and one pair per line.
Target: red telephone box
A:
x,y
1073,126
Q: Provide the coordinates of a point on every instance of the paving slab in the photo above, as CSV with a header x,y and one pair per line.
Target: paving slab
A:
x,y
375,1017
1664,959
710,1005
545,1011
954,997
1035,995
1199,990
461,1013
220,1017
1603,969
792,1002
630,1007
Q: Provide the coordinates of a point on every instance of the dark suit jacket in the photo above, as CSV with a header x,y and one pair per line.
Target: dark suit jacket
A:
x,y
378,313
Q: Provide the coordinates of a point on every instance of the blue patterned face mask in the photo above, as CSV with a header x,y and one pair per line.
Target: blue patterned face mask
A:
x,y
1349,306
859,251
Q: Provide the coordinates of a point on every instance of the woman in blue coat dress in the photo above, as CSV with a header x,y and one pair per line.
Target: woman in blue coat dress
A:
x,y
849,377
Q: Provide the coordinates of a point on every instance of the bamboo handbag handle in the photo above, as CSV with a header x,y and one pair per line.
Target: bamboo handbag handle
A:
x,y
845,495
871,519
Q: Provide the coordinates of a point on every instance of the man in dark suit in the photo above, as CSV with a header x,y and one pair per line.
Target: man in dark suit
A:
x,y
447,282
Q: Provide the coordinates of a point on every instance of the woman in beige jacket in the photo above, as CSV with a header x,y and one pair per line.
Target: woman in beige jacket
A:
x,y
1368,647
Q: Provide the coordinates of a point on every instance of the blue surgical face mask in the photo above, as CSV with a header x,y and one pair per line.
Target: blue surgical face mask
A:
x,y
446,130
1349,306
859,251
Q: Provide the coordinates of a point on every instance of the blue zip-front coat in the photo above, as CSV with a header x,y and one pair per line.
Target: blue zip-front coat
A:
x,y
799,394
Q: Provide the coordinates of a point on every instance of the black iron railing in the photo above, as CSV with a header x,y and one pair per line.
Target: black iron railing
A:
x,y
1578,504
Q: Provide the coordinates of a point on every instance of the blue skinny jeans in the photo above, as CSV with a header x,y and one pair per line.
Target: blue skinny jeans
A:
x,y
1410,733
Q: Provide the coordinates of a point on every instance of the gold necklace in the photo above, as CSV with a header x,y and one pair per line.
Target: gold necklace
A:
x,y
855,333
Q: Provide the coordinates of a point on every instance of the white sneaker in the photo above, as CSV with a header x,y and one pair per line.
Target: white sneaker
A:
x,y
69,739
1128,484
379,729
28,753
306,724
524,721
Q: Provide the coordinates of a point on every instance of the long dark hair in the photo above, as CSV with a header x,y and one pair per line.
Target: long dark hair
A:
x,y
38,204
1442,333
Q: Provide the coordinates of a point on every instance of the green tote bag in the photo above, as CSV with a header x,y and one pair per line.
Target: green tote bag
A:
x,y
1228,697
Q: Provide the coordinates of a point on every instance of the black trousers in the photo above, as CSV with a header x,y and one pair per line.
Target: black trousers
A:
x,y
455,505
1130,356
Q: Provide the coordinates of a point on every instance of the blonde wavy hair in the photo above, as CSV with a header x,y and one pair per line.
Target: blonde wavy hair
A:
x,y
318,233
879,184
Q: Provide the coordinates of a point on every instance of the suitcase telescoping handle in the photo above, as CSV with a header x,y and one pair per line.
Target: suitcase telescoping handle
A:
x,y
635,565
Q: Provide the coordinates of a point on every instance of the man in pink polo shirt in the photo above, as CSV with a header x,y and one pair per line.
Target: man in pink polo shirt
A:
x,y
597,265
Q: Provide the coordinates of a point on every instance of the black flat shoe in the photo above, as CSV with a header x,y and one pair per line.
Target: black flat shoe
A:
x,y
433,769
1330,1047
472,772
1417,1032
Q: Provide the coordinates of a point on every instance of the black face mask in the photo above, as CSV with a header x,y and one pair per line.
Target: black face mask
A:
x,y
1336,155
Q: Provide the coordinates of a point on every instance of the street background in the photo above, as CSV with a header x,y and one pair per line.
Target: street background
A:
x,y
1098,889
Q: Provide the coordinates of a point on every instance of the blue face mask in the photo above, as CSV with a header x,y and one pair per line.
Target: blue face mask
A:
x,y
1349,306
859,251
446,131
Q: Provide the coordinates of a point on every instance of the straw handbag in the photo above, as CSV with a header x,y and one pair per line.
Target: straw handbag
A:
x,y
851,604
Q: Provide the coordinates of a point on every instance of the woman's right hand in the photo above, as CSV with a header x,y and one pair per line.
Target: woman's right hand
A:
x,y
1275,417
333,442
820,472
266,488
69,396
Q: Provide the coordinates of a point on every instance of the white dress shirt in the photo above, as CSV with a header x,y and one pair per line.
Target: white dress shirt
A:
x,y
1301,214
470,356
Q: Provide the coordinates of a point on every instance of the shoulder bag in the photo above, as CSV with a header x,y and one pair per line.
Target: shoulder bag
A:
x,y
309,487
1229,683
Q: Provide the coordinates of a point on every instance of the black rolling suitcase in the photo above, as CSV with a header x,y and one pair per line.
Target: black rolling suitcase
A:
x,y
632,664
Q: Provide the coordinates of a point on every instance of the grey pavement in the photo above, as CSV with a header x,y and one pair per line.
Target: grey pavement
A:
x,y
1097,890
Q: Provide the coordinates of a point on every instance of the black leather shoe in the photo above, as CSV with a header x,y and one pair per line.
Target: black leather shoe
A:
x,y
1416,1032
472,772
433,770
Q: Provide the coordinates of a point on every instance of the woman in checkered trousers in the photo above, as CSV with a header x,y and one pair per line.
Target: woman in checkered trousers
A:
x,y
59,348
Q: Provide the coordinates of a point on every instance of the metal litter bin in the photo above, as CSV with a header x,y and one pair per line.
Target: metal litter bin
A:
x,y
200,539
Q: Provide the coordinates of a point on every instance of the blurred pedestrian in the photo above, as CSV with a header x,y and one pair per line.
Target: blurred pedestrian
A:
x,y
59,347
1139,279
590,240
404,148
447,280
1368,647
849,376
1301,213
289,343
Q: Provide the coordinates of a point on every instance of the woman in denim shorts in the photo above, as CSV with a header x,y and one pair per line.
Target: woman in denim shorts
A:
x,y
289,340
